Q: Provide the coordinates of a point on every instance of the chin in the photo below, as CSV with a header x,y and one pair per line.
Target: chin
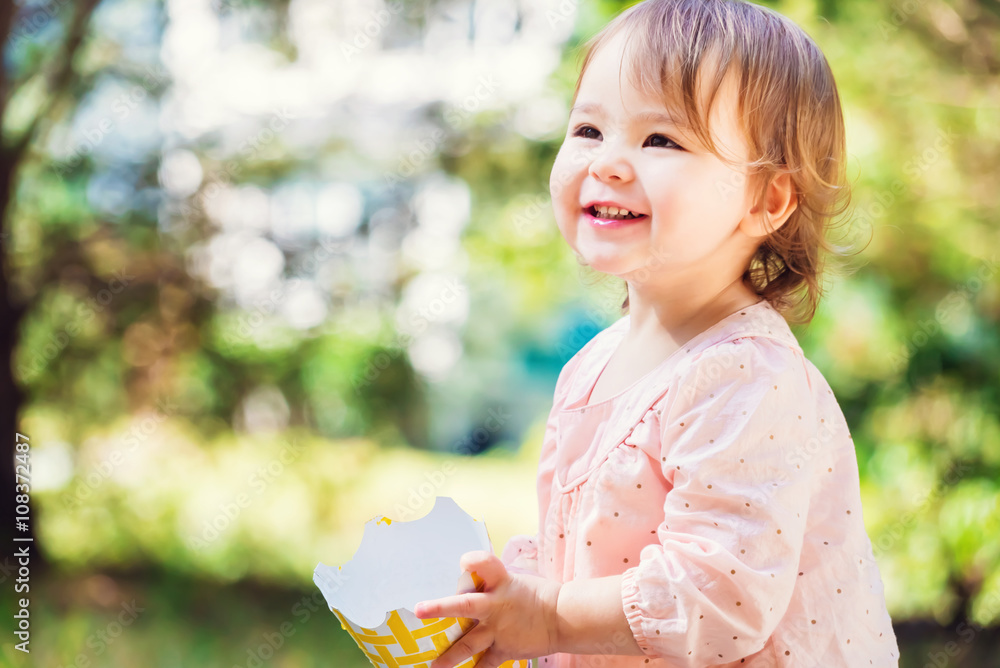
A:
x,y
614,266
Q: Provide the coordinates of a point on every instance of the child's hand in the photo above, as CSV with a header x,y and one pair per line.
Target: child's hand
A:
x,y
516,613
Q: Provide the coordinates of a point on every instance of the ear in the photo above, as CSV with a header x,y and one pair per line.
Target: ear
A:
x,y
779,203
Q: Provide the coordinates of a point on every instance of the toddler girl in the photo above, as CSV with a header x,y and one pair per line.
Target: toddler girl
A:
x,y
699,502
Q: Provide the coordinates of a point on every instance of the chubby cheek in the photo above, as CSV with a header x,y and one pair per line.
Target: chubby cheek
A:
x,y
720,188
561,178
709,191
564,188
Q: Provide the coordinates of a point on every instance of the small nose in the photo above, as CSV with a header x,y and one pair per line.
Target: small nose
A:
x,y
610,164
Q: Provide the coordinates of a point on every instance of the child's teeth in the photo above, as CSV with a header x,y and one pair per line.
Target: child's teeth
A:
x,y
614,213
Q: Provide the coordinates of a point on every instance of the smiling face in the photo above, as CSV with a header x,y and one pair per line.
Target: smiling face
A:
x,y
621,149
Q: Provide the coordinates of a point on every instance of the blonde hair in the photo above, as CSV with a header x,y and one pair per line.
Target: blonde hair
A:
x,y
789,108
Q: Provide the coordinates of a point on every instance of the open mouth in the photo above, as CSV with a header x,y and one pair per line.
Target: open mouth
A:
x,y
613,213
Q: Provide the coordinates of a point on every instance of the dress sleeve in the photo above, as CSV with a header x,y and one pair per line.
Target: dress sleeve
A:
x,y
520,555
732,438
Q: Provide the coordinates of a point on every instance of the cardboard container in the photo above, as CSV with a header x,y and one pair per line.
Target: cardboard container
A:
x,y
398,565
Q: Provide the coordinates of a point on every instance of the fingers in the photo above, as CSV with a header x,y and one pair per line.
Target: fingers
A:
x,y
490,659
472,643
486,565
473,606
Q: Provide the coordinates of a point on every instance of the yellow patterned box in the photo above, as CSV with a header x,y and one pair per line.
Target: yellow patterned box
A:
x,y
398,565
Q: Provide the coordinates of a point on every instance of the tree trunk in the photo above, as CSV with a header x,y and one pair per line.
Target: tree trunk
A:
x,y
60,78
11,397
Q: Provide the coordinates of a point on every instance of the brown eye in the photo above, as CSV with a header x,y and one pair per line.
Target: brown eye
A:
x,y
583,130
662,141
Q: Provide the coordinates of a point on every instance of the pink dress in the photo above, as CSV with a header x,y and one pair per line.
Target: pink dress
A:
x,y
724,485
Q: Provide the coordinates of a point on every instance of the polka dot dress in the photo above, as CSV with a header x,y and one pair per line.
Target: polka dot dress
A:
x,y
723,485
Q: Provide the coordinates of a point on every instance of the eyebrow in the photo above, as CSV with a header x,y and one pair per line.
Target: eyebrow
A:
x,y
646,116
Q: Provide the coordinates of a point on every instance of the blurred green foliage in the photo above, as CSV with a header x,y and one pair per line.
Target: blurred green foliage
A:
x,y
128,349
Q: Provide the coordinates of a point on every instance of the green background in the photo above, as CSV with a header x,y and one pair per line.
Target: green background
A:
x,y
170,389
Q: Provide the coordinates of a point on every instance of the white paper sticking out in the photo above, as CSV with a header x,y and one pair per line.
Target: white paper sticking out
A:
x,y
400,564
